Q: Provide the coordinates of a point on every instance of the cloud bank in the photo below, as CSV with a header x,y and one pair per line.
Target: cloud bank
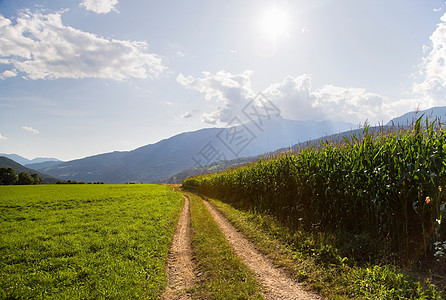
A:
x,y
294,96
100,6
430,84
298,100
41,47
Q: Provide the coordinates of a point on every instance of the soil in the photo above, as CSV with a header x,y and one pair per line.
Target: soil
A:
x,y
180,270
276,283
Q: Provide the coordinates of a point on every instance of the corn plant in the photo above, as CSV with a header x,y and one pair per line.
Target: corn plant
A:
x,y
389,185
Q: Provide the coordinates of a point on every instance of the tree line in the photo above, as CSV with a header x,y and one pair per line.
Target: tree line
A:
x,y
9,176
76,182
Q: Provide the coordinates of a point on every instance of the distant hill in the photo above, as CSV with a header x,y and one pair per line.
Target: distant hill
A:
x,y
403,121
212,168
154,162
43,165
223,165
9,163
411,117
145,164
17,158
24,161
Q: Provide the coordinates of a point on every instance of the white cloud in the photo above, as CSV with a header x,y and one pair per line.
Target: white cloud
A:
x,y
41,47
430,85
230,93
8,74
354,104
30,129
298,100
100,6
3,138
212,118
186,115
294,96
437,9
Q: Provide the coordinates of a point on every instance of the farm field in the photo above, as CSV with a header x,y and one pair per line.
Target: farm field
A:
x,y
85,241
373,204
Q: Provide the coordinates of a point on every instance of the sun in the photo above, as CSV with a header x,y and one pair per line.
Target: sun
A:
x,y
274,23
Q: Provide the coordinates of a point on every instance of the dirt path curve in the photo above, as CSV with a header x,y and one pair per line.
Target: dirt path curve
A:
x,y
180,270
276,284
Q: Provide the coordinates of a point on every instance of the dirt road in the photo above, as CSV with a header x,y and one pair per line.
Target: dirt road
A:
x,y
275,282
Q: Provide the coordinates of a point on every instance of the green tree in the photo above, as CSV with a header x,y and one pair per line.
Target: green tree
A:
x,y
25,178
8,176
37,178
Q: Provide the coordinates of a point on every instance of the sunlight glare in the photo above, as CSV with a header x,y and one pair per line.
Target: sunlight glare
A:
x,y
275,23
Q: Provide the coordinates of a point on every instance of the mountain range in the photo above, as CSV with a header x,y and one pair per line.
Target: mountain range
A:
x,y
155,162
410,117
185,151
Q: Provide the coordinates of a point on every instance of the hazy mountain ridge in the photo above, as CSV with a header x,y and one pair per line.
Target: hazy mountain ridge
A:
x,y
410,117
161,160
6,162
43,165
24,161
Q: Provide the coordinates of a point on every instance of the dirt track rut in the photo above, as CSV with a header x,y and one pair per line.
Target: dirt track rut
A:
x,y
180,269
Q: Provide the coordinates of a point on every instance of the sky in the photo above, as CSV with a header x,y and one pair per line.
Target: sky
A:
x,y
83,77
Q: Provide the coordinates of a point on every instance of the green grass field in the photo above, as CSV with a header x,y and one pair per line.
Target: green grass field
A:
x,y
85,241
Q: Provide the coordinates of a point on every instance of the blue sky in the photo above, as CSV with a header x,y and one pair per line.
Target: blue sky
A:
x,y
83,77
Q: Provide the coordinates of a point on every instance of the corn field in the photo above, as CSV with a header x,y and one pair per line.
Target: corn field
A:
x,y
388,185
